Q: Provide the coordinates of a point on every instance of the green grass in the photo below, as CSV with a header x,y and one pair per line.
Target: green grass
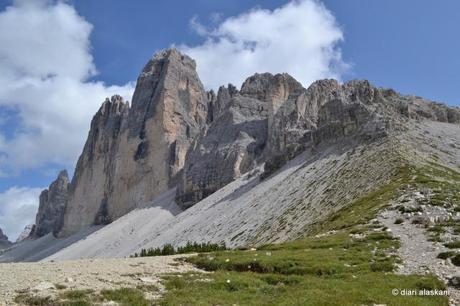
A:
x,y
335,269
126,297
456,260
453,245
75,294
446,255
332,270
122,296
27,299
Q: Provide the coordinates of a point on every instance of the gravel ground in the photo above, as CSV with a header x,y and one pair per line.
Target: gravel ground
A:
x,y
97,274
419,254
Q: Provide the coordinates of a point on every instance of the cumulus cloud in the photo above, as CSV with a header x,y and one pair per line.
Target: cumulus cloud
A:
x,y
45,70
300,38
18,206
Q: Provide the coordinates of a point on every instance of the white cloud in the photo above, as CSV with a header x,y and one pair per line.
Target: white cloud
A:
x,y
45,66
299,38
18,206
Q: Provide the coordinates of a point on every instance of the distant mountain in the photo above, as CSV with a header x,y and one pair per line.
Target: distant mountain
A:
x,y
4,242
28,229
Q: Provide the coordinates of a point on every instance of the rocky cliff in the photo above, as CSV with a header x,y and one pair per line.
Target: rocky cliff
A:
x,y
25,234
51,206
4,242
175,134
273,118
135,153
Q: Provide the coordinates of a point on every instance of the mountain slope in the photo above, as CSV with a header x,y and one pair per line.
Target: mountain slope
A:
x,y
283,207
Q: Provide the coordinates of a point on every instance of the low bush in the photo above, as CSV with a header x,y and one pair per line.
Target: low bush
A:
x,y
456,260
445,255
190,247
453,245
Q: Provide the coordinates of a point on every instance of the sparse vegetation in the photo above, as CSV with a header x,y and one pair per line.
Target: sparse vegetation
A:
x,y
60,286
403,209
399,221
453,245
456,260
31,300
190,247
446,255
122,296
126,297
330,269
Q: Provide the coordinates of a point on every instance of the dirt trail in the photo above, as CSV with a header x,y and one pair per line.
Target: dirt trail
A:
x,y
419,255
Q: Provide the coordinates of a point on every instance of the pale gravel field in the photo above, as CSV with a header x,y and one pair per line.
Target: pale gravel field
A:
x,y
95,274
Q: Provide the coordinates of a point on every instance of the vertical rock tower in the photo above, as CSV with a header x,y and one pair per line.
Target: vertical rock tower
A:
x,y
135,153
51,208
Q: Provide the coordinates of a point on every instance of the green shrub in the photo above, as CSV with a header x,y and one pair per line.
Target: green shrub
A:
x,y
445,255
190,247
456,260
27,299
126,297
453,244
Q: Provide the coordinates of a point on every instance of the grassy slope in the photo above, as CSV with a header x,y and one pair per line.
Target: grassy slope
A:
x,y
340,268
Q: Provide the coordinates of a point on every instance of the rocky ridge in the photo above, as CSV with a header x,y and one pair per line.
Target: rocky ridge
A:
x,y
175,134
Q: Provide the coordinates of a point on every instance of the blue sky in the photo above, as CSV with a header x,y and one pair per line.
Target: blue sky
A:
x,y
412,46
84,50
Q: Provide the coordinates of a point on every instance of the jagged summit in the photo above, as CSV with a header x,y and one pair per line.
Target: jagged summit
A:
x,y
176,135
25,234
4,242
3,237
51,206
135,153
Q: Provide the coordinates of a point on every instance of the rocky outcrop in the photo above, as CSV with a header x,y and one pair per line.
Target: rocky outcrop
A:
x,y
135,153
235,141
231,146
3,237
26,232
51,208
289,120
4,242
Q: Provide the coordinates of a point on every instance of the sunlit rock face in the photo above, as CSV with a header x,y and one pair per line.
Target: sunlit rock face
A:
x,y
176,135
134,153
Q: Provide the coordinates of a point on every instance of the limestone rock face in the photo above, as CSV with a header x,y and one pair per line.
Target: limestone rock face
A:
x,y
88,192
135,153
273,118
268,114
4,242
51,207
26,232
175,134
3,237
231,146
